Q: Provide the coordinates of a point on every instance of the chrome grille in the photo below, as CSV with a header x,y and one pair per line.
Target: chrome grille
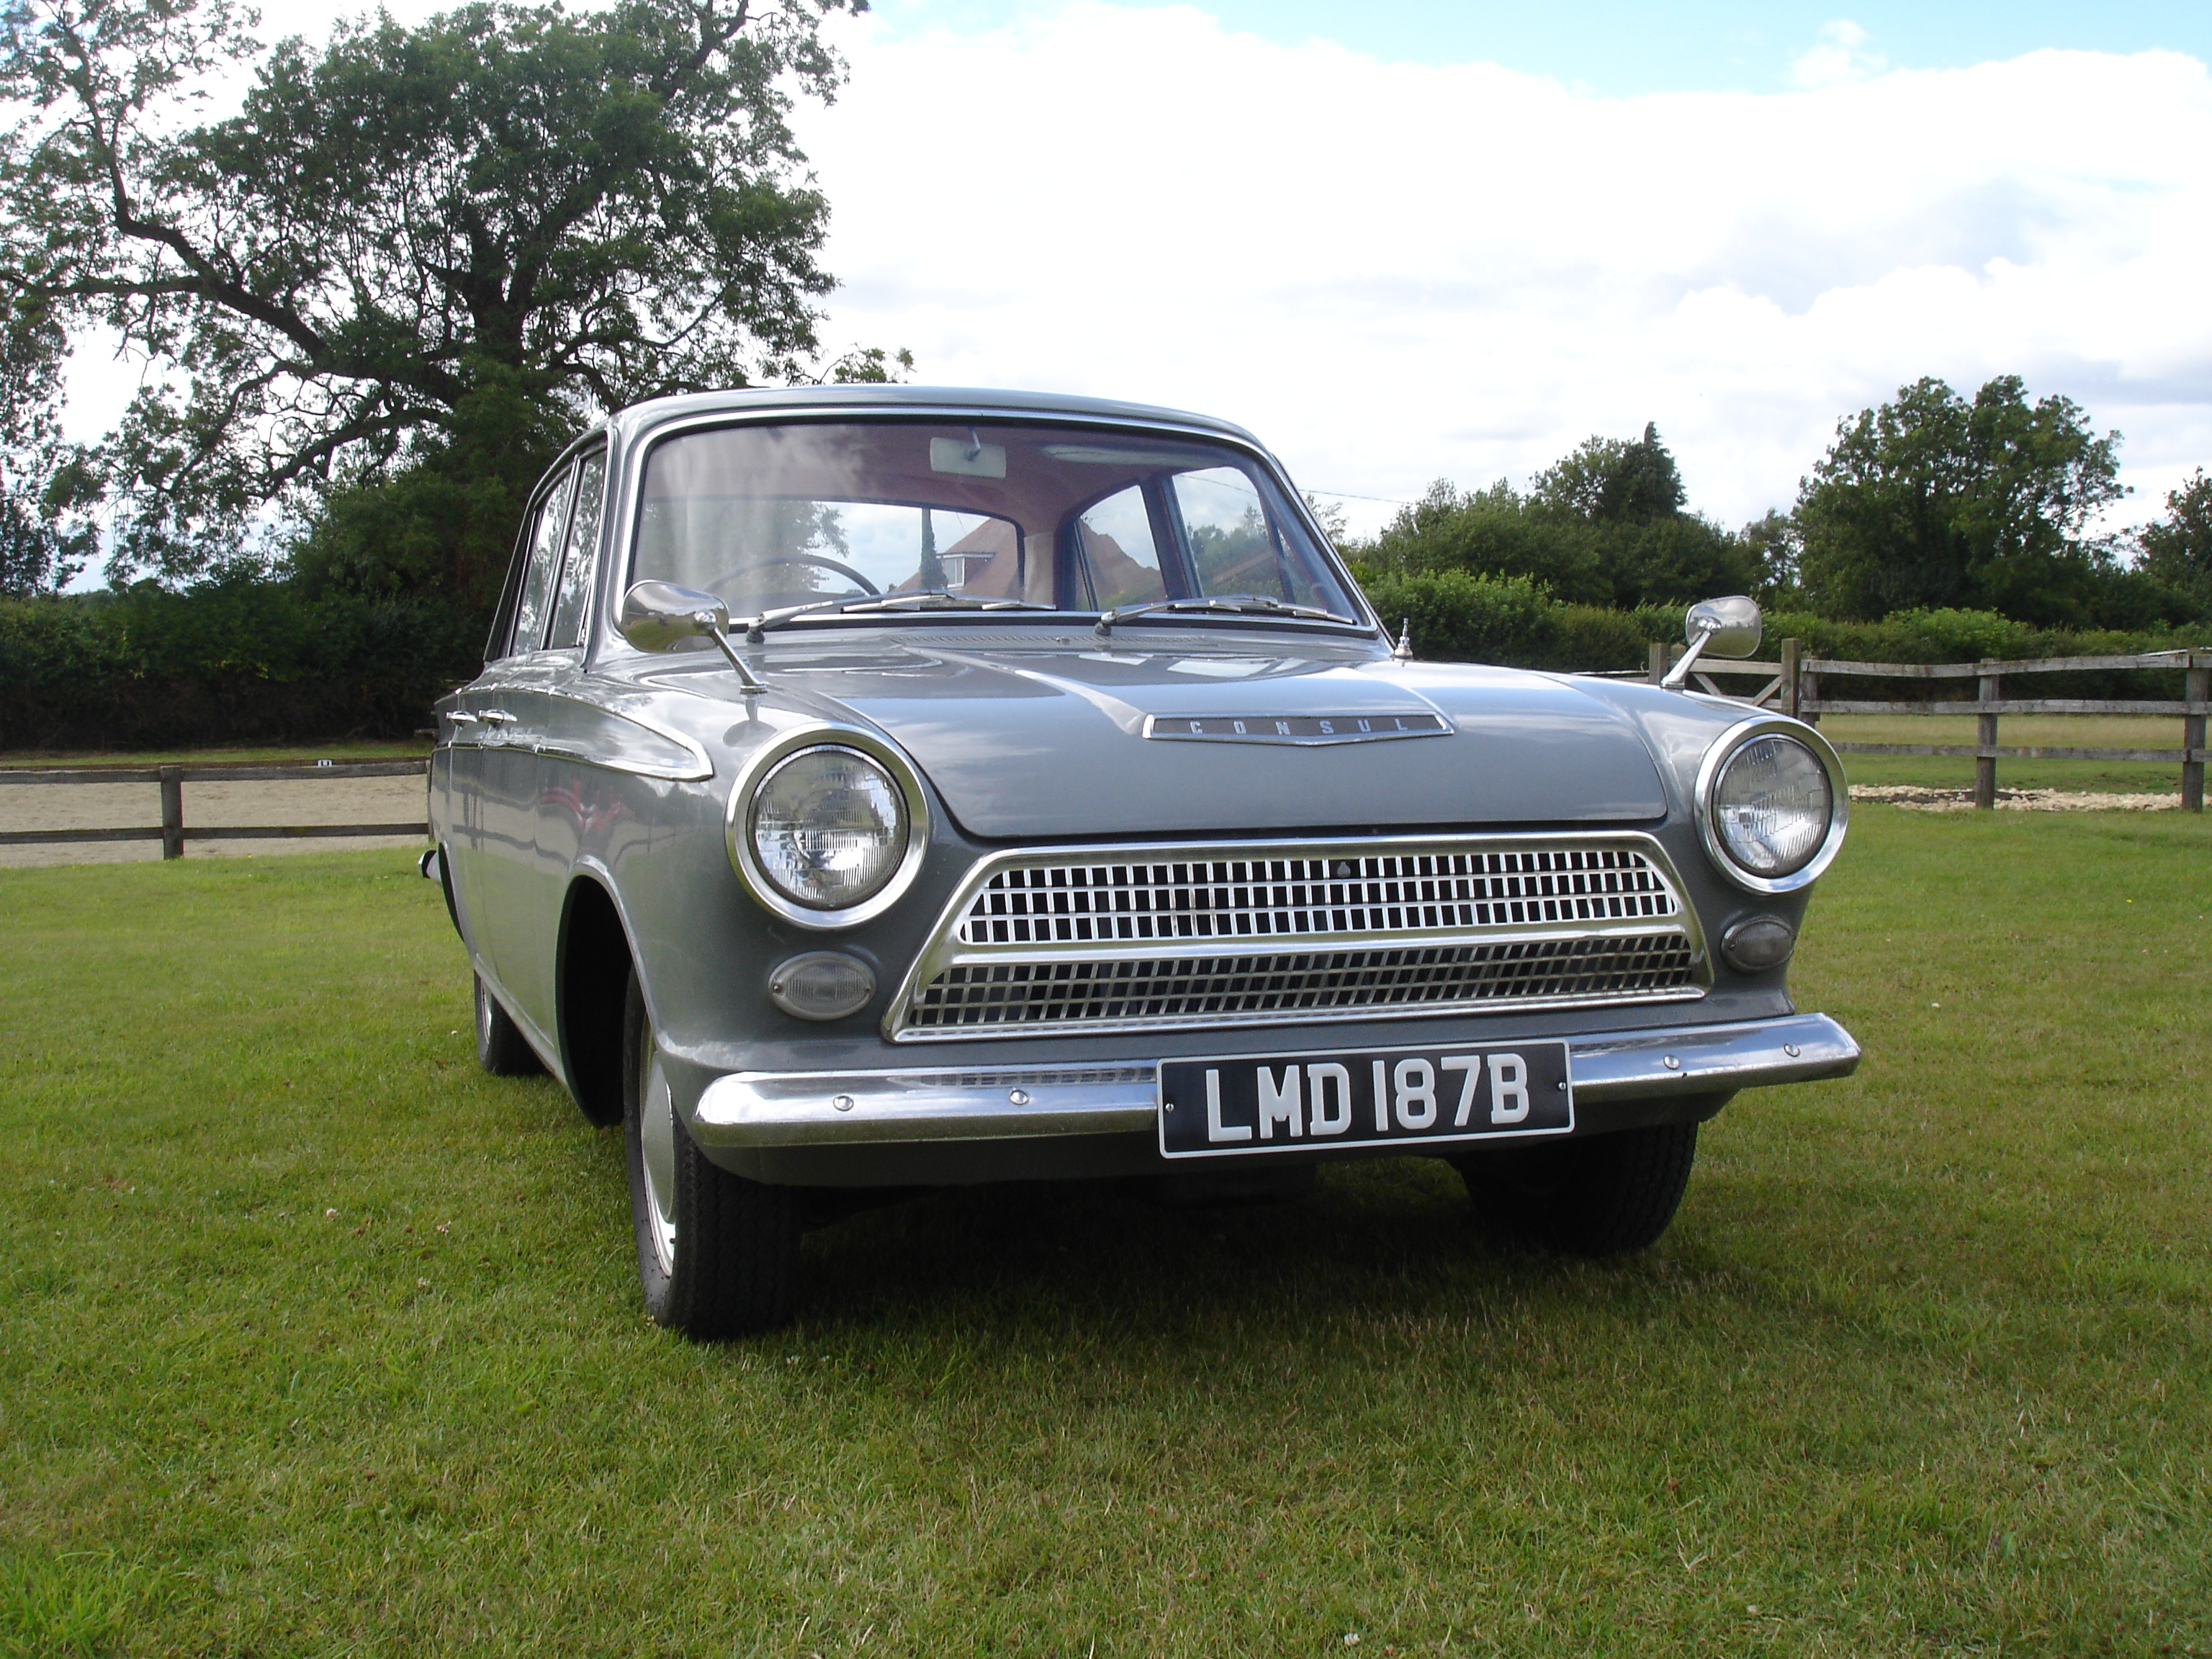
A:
x,y
1065,903
1228,989
1131,938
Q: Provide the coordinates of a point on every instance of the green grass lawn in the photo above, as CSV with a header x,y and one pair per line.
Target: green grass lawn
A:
x,y
315,1340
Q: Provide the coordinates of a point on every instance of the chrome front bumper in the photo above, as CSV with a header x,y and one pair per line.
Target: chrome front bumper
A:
x,y
820,1109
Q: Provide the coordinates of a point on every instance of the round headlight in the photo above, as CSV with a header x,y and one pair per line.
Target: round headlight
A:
x,y
828,827
1772,805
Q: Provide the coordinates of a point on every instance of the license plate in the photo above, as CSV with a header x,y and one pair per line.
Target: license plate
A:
x,y
1414,1097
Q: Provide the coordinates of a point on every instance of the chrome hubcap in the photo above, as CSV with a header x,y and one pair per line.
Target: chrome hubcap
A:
x,y
656,1114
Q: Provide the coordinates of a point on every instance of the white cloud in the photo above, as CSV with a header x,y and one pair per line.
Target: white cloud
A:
x,y
1395,272
1839,59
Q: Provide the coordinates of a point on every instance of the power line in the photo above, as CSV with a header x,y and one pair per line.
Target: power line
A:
x,y
1353,495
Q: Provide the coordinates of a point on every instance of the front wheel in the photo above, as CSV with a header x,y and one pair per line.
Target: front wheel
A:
x,y
1608,1195
717,1254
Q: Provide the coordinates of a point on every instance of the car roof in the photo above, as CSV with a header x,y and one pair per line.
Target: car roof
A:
x,y
818,399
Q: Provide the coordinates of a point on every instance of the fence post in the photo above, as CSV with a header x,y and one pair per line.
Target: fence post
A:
x,y
1789,677
1658,661
1985,739
2196,686
173,812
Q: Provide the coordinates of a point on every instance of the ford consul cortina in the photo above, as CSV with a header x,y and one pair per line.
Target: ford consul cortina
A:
x,y
886,788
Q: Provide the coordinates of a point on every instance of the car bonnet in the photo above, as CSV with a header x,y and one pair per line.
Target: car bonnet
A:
x,y
1147,737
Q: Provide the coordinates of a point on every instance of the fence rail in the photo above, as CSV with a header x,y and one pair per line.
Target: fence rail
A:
x,y
1795,689
171,831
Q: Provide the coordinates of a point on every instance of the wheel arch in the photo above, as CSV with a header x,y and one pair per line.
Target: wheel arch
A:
x,y
591,967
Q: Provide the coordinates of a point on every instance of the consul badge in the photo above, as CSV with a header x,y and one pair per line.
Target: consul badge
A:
x,y
1306,729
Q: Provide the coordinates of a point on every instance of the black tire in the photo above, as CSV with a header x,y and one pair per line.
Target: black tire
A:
x,y
501,1047
1608,1195
717,1254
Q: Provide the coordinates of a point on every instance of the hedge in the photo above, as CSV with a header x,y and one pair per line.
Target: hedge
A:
x,y
265,661
248,661
1460,617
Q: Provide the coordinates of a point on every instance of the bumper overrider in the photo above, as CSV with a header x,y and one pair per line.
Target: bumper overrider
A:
x,y
1634,1071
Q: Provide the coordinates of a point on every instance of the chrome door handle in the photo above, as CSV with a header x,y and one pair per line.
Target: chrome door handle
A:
x,y
460,717
496,717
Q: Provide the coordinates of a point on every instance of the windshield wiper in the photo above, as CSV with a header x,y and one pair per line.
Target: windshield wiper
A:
x,y
1243,603
926,598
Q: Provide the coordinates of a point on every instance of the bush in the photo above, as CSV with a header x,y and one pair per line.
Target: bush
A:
x,y
235,661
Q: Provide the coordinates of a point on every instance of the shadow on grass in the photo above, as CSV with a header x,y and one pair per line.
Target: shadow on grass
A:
x,y
1373,1241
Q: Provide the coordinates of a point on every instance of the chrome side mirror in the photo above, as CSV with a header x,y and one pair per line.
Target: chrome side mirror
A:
x,y
663,616
1726,627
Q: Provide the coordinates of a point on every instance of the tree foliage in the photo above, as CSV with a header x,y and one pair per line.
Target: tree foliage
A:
x,y
439,246
45,536
1604,526
2177,550
1613,481
1933,500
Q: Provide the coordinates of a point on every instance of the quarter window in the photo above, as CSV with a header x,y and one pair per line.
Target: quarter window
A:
x,y
1115,540
545,542
577,563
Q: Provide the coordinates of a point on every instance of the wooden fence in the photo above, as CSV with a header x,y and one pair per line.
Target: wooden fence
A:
x,y
172,833
1794,688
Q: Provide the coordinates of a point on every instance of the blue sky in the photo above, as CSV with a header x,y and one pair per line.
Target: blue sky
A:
x,y
1621,49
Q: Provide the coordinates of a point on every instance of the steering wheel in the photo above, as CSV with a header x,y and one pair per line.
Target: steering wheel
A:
x,y
844,570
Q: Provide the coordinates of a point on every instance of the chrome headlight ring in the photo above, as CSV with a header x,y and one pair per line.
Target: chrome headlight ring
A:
x,y
1723,749
738,827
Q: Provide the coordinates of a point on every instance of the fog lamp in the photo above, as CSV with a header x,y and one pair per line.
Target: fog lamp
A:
x,y
1758,943
822,985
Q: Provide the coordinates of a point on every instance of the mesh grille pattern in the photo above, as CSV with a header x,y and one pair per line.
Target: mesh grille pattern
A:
x,y
1408,893
1018,994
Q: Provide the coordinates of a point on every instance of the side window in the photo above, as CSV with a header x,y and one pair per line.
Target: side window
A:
x,y
576,563
1114,541
1234,548
537,580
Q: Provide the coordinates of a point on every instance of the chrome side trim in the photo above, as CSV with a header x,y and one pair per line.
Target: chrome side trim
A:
x,y
700,769
801,1108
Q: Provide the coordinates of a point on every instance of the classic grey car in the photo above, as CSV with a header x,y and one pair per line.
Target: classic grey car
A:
x,y
883,787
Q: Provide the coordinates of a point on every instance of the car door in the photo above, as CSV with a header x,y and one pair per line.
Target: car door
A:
x,y
494,772
570,794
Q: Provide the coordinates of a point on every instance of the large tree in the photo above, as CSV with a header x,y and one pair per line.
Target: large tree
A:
x,y
1932,500
2177,550
1626,496
442,246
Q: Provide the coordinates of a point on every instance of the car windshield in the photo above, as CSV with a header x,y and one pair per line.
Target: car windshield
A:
x,y
771,516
